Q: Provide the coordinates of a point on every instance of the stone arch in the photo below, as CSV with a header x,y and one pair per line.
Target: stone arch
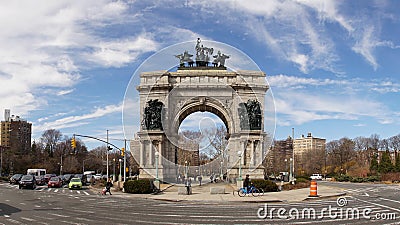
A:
x,y
208,106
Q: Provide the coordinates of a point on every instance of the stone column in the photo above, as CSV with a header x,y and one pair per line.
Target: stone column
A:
x,y
252,156
150,153
141,153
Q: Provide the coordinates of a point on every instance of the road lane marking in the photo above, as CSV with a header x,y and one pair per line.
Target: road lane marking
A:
x,y
29,219
86,193
59,215
388,207
390,200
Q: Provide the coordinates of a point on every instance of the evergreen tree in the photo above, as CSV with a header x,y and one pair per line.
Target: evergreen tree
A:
x,y
374,165
397,163
385,166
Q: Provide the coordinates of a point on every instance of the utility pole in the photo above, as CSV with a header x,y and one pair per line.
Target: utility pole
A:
x,y
293,153
107,155
125,162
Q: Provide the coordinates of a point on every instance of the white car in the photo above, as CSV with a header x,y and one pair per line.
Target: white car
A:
x,y
316,176
97,176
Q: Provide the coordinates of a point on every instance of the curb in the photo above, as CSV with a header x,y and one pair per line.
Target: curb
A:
x,y
323,197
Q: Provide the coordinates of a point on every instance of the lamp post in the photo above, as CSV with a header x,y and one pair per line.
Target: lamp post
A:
x,y
286,169
107,156
157,154
120,169
83,165
291,172
114,169
61,164
186,170
221,172
240,164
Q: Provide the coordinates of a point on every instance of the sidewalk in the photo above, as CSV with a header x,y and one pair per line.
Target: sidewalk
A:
x,y
202,193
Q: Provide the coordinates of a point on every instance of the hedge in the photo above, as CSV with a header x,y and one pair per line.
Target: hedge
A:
x,y
266,185
142,186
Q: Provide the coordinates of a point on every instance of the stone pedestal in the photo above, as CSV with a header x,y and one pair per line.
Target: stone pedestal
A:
x,y
157,184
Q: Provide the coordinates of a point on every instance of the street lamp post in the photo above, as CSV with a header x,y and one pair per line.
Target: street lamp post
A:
x,y
120,170
286,169
83,165
157,155
291,172
186,169
114,169
61,164
221,172
240,164
107,156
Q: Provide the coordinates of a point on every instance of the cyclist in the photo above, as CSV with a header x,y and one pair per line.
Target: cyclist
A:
x,y
246,182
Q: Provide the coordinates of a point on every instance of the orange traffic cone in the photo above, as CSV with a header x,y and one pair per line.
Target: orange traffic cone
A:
x,y
313,189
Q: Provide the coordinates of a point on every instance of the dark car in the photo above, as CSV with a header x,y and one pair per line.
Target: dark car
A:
x,y
67,178
27,181
15,178
55,182
47,177
82,177
39,180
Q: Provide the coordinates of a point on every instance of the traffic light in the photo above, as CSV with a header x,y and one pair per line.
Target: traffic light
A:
x,y
122,151
73,143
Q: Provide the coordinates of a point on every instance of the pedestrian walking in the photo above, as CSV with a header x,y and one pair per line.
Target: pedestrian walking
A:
x,y
200,178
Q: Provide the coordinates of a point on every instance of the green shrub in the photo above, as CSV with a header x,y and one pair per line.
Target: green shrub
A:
x,y
358,180
302,180
142,186
343,178
373,178
4,178
266,185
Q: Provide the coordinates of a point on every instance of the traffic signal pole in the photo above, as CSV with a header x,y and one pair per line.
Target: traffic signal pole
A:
x,y
108,149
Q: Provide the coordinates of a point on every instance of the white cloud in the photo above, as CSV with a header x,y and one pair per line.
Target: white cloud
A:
x,y
46,46
120,52
75,121
297,102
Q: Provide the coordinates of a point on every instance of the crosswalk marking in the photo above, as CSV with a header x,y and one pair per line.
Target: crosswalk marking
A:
x,y
62,190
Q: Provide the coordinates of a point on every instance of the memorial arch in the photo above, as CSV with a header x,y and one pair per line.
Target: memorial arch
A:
x,y
202,84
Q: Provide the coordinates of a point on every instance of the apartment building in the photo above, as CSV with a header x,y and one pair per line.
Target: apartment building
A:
x,y
15,134
309,143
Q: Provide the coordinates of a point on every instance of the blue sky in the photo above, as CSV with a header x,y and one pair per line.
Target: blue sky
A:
x,y
332,65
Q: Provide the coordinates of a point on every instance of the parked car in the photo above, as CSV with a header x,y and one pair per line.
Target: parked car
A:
x,y
316,176
27,181
67,178
39,180
15,178
97,176
55,182
83,178
48,176
75,183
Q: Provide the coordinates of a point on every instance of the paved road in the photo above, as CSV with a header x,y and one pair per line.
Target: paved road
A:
x,y
51,207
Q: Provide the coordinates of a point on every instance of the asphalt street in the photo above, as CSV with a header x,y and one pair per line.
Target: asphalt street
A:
x,y
363,204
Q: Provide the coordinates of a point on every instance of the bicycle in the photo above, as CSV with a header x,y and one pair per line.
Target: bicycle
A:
x,y
250,190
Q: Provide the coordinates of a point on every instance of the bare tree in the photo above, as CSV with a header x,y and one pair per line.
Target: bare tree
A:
x,y
50,138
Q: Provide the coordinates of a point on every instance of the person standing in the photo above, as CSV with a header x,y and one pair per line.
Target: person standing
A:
x,y
108,187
